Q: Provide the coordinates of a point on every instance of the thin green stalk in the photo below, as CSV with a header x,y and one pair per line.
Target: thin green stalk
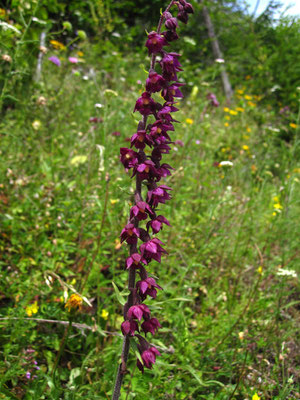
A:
x,y
61,348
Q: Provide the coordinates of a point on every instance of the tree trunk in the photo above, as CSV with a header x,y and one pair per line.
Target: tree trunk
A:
x,y
216,51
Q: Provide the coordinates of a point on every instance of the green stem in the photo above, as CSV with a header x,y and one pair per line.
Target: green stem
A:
x,y
62,347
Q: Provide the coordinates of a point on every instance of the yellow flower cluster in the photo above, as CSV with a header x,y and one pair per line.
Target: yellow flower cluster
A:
x,y
58,45
74,302
32,309
277,206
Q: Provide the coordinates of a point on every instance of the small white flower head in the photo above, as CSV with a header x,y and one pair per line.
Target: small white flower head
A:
x,y
219,60
286,272
226,164
98,105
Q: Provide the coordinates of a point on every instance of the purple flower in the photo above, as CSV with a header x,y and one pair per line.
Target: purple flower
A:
x,y
145,104
28,375
129,327
134,261
170,65
158,195
140,139
154,82
148,357
140,211
165,112
156,223
150,325
73,60
155,42
138,311
152,250
163,171
128,158
213,99
147,287
159,150
146,169
130,234
172,91
179,142
55,60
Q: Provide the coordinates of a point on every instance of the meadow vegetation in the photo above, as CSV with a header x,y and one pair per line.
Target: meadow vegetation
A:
x,y
230,305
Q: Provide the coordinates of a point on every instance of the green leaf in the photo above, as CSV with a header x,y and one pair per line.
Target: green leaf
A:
x,y
120,298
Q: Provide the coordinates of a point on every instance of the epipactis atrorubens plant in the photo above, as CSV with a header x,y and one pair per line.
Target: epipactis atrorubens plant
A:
x,y
149,170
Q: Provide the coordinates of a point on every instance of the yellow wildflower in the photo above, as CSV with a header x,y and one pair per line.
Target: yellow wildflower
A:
x,y
260,270
227,117
253,168
58,45
255,397
104,314
226,109
118,244
251,104
240,109
189,121
32,309
113,201
74,301
278,206
247,77
276,199
232,112
2,12
245,147
248,129
292,125
247,97
80,54
241,335
226,124
240,91
274,214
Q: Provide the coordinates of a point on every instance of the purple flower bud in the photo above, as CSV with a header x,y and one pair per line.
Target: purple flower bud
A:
x,y
183,16
28,375
138,311
134,261
140,210
150,325
152,250
154,82
156,223
188,8
155,42
171,23
129,327
145,104
170,35
130,234
55,60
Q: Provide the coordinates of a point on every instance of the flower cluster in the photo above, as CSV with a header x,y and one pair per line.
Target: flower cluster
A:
x,y
149,170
